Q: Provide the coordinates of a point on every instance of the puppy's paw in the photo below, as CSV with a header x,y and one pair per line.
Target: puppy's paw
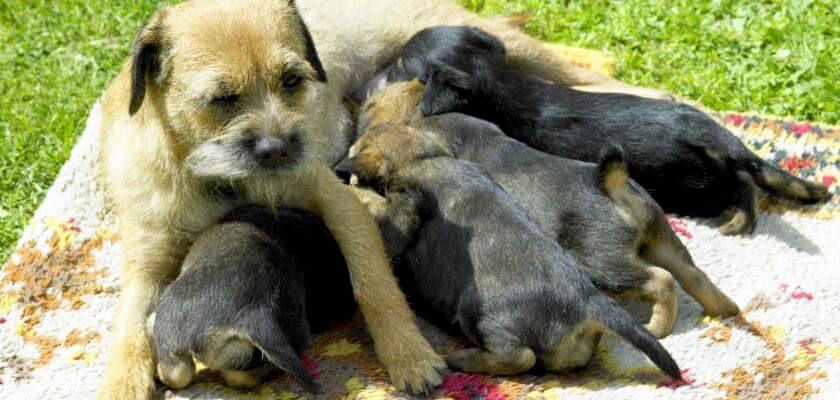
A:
x,y
657,329
723,307
240,379
740,224
414,368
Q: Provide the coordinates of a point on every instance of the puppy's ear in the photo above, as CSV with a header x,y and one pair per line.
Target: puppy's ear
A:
x,y
445,89
311,54
146,57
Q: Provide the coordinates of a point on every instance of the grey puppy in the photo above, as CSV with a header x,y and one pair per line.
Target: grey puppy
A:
x,y
245,301
617,232
471,258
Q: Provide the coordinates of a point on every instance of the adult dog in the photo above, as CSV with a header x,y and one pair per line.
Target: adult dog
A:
x,y
228,102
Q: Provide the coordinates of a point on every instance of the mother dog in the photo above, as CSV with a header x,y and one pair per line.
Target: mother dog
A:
x,y
227,102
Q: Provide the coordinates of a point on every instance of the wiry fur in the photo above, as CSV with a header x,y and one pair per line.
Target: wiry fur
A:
x,y
156,113
251,288
514,292
603,218
690,164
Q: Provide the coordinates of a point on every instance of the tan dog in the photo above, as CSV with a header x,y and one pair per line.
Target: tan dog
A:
x,y
228,102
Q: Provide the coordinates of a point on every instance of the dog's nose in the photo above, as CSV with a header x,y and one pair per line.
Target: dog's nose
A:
x,y
272,152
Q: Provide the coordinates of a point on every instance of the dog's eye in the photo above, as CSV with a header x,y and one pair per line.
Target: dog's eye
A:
x,y
292,81
225,100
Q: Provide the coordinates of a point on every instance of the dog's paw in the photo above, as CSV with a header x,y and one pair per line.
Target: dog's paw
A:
x,y
133,383
740,224
415,368
723,307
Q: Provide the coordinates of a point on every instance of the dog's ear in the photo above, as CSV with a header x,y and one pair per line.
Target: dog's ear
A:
x,y
146,55
311,54
445,89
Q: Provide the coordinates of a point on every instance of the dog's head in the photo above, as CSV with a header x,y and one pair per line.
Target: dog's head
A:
x,y
457,64
384,149
238,85
395,104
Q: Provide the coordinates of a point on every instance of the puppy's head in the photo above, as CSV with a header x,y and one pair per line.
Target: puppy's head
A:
x,y
236,83
396,104
458,64
384,150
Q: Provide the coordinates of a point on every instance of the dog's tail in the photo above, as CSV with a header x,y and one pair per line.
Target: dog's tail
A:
x,y
614,180
268,337
612,169
513,20
607,312
781,183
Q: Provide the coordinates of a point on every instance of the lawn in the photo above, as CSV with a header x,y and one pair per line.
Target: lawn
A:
x,y
774,57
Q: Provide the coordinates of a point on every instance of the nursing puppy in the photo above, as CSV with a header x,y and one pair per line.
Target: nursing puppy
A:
x,y
469,256
688,163
250,291
614,229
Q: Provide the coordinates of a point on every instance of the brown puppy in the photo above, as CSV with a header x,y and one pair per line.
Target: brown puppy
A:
x,y
221,104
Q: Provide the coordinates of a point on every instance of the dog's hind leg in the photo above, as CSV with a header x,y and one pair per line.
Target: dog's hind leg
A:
x,y
176,370
659,291
668,252
743,221
510,361
780,183
575,349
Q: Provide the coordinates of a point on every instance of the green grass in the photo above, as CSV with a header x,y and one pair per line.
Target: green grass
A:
x,y
772,57
775,57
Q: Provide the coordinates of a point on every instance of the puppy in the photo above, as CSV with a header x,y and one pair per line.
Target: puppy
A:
x,y
249,292
226,103
688,163
470,256
609,223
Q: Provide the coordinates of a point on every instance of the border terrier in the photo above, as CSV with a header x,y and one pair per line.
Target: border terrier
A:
x,y
470,257
605,219
689,163
236,94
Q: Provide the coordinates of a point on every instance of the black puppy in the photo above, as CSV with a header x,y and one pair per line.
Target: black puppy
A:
x,y
469,256
250,290
609,223
688,163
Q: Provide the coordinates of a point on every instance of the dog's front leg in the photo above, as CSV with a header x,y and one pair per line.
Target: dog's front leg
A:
x,y
151,259
411,362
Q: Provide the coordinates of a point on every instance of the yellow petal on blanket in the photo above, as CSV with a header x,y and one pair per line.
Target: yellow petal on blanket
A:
x,y
6,301
90,357
341,348
76,354
777,333
592,59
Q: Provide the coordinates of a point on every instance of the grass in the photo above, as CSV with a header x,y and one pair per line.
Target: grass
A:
x,y
775,57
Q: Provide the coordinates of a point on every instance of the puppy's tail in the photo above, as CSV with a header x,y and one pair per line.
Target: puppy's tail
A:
x,y
273,344
779,182
612,172
614,179
606,311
